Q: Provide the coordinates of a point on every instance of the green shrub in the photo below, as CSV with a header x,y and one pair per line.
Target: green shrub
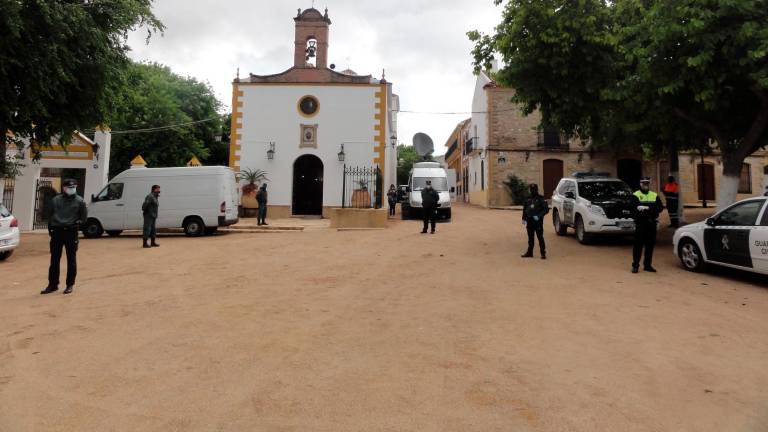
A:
x,y
518,189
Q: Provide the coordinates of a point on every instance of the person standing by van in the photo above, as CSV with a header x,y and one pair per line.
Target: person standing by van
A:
x,y
534,210
430,200
262,198
65,215
392,198
672,194
149,209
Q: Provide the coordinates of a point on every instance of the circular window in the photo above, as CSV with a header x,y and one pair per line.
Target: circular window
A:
x,y
308,105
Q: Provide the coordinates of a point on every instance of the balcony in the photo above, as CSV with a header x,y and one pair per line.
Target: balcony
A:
x,y
451,150
470,145
551,139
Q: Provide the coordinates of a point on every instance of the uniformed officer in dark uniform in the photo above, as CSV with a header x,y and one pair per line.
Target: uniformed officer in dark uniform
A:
x,y
534,210
646,209
65,214
430,200
149,209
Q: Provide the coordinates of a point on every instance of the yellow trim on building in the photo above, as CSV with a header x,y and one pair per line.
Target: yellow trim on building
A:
x,y
235,137
380,128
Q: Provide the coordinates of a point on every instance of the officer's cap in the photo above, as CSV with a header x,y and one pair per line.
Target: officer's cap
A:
x,y
69,182
645,180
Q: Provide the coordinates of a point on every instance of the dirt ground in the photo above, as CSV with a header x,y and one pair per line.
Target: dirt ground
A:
x,y
380,331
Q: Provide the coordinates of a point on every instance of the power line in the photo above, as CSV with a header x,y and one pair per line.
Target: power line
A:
x,y
455,113
159,128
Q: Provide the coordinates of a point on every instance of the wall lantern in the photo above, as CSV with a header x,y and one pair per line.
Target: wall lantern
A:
x,y
96,147
527,155
341,154
502,159
271,151
393,140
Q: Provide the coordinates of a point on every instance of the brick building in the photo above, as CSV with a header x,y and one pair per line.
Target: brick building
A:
x,y
499,141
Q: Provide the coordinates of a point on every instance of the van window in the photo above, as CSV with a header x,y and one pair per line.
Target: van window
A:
x,y
439,184
113,191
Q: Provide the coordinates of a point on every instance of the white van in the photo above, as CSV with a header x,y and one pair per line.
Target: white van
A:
x,y
421,172
198,199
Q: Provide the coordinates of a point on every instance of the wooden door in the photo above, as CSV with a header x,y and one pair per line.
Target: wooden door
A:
x,y
705,176
553,172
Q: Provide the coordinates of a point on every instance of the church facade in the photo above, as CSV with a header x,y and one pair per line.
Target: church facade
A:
x,y
305,125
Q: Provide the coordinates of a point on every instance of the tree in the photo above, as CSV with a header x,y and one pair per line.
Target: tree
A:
x,y
632,71
61,65
154,98
406,157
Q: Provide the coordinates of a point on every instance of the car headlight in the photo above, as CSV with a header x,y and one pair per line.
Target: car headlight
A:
x,y
596,210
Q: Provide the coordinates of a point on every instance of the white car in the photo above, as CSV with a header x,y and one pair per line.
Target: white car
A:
x,y
735,237
9,233
593,204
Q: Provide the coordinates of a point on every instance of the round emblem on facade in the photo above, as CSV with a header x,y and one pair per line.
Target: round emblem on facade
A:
x,y
308,106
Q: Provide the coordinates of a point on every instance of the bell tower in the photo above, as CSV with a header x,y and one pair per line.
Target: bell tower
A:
x,y
312,28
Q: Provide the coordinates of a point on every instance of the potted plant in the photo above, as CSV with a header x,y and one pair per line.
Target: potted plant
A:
x,y
254,178
360,196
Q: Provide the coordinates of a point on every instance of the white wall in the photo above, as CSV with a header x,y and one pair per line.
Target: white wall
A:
x,y
270,113
96,172
478,128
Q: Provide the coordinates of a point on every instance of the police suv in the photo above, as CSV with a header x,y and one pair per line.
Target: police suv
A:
x,y
735,237
593,204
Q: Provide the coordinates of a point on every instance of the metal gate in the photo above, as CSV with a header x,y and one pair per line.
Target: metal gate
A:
x,y
8,191
43,196
361,187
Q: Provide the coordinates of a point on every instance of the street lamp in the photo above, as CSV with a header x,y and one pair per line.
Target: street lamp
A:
x,y
271,151
341,154
393,140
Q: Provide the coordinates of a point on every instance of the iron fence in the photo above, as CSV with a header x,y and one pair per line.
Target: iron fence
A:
x,y
43,196
8,191
361,187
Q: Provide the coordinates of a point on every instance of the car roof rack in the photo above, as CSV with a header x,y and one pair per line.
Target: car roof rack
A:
x,y
590,174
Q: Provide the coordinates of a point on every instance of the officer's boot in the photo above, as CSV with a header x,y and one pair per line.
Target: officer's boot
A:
x,y
154,243
49,289
145,244
528,254
69,289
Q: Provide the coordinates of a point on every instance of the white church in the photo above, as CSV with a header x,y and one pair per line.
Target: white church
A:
x,y
303,126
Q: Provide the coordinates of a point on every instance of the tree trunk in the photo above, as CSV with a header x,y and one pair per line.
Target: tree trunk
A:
x,y
674,171
729,183
3,151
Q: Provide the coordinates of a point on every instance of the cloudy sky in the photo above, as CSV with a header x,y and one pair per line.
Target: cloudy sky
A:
x,y
421,44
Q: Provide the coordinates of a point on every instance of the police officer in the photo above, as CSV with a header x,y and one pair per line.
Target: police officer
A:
x,y
534,210
262,198
646,209
65,214
429,203
149,210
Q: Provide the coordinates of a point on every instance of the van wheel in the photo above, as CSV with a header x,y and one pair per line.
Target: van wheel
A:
x,y
405,212
560,228
5,255
114,233
690,256
581,234
92,229
194,227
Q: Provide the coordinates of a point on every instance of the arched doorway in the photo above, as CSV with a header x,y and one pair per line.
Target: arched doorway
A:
x,y
630,170
308,186
553,172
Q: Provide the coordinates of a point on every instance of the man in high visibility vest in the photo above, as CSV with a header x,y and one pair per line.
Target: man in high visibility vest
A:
x,y
672,193
646,209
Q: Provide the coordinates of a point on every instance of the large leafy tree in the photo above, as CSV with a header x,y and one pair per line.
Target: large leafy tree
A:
x,y
61,63
166,118
641,72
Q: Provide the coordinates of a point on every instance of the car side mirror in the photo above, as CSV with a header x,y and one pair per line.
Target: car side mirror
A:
x,y
570,195
711,222
93,198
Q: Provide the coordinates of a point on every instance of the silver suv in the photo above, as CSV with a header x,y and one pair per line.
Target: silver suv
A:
x,y
593,204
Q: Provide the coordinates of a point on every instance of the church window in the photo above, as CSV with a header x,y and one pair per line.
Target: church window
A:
x,y
308,106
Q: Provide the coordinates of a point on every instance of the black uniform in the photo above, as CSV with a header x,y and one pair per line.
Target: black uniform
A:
x,y
65,214
262,197
392,198
150,209
430,199
646,209
534,210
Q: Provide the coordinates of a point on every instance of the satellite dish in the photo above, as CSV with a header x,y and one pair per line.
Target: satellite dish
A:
x,y
423,144
333,66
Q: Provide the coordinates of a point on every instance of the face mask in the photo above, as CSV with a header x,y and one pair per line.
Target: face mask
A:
x,y
156,194
70,191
